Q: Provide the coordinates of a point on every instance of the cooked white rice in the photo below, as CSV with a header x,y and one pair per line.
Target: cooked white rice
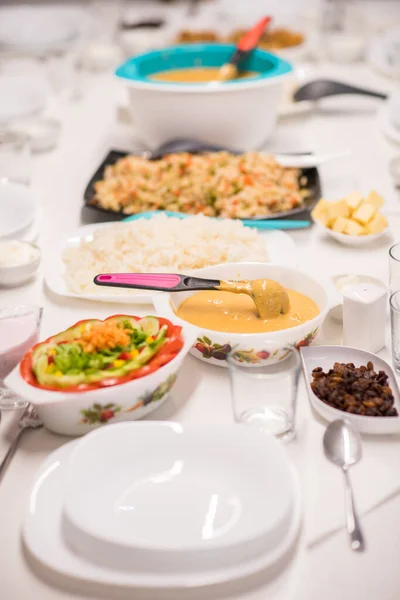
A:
x,y
160,244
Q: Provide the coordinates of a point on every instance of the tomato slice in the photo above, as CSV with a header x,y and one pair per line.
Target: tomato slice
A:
x,y
165,354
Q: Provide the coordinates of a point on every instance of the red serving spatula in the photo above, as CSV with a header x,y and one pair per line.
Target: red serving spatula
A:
x,y
244,47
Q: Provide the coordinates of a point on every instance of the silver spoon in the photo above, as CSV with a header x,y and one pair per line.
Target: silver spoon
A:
x,y
342,446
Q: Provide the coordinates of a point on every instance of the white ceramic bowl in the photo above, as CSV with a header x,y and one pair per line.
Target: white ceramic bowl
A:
x,y
238,114
353,240
258,348
337,311
325,357
18,274
67,413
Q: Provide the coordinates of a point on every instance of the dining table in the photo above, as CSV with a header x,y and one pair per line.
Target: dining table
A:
x,y
328,569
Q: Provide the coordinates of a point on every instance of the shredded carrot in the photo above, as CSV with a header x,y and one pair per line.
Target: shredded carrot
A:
x,y
104,335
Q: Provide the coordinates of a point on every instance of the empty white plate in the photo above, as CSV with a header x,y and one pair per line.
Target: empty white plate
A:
x,y
22,96
325,357
167,498
44,513
17,209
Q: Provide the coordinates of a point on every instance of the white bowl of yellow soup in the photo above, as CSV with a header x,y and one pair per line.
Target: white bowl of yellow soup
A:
x,y
173,93
229,322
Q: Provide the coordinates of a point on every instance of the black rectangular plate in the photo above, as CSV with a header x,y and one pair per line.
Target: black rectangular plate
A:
x,y
302,213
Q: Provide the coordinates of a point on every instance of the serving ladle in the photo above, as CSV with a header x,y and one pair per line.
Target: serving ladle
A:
x,y
270,297
323,88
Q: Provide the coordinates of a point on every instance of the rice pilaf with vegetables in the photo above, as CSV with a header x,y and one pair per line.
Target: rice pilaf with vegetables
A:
x,y
214,184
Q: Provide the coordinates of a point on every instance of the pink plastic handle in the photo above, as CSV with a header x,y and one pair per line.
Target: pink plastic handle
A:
x,y
158,280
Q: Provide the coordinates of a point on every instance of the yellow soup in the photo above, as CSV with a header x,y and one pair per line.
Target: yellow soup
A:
x,y
237,313
195,75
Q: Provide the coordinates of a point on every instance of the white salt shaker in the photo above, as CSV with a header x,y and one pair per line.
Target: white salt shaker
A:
x,y
364,316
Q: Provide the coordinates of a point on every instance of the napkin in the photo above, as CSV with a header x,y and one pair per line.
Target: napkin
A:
x,y
375,479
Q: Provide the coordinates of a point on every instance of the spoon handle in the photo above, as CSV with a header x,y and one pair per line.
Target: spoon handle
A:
x,y
353,525
164,282
10,453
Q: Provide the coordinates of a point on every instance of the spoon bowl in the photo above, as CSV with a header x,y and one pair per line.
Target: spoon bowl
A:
x,y
342,444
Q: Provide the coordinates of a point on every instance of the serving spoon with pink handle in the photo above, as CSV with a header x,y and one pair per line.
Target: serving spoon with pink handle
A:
x,y
271,299
163,282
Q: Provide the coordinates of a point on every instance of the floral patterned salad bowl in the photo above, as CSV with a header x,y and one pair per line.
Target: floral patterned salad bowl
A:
x,y
257,349
78,409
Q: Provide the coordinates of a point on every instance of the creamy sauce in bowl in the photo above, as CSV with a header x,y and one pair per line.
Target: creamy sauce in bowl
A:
x,y
195,75
237,313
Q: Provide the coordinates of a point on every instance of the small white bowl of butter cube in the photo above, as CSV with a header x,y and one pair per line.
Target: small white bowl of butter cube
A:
x,y
354,220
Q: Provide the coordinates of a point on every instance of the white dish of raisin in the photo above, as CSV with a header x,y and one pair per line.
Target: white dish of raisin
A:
x,y
349,383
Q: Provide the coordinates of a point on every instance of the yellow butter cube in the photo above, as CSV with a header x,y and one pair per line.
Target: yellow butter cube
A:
x,y
353,201
320,210
375,199
337,209
340,225
377,225
354,228
364,213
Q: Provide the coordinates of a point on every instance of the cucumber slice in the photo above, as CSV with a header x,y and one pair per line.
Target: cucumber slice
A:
x,y
150,325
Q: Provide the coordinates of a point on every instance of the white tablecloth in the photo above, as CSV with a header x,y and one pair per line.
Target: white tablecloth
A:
x,y
90,128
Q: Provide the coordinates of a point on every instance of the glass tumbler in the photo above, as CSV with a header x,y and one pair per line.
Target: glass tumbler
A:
x,y
266,396
19,331
394,268
15,157
395,328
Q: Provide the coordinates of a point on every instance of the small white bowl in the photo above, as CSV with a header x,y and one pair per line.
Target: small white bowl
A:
x,y
17,274
337,311
257,349
325,357
353,240
64,412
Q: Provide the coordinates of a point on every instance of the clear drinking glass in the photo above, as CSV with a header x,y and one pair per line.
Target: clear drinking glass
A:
x,y
395,326
19,331
266,396
394,268
343,30
15,157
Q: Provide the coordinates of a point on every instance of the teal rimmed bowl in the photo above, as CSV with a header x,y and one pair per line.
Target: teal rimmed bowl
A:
x,y
238,114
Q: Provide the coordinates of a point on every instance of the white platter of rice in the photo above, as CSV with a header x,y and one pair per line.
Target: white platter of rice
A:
x,y
161,244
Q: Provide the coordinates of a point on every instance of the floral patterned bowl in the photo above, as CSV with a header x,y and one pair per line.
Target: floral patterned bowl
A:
x,y
258,348
76,413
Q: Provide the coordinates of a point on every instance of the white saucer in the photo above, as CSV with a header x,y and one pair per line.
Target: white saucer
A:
x,y
44,513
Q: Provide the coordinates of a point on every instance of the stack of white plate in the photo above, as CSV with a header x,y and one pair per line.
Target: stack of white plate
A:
x,y
160,504
20,212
